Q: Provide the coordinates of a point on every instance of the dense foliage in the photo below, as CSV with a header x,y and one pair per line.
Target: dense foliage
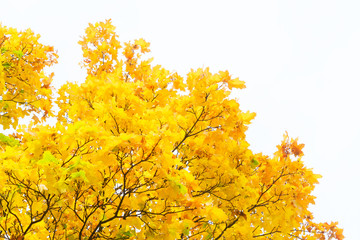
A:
x,y
139,152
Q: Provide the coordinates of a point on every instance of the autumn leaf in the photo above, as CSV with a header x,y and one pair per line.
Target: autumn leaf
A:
x,y
254,163
236,83
7,140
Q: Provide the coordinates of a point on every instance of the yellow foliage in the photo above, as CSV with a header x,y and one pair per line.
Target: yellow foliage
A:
x,y
24,87
140,152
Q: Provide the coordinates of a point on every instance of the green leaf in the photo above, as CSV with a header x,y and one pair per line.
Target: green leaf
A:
x,y
254,163
78,163
6,106
10,141
186,231
80,174
48,158
3,50
19,54
6,65
209,236
122,235
176,184
182,188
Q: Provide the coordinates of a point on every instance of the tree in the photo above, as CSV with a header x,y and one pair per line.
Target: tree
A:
x,y
139,152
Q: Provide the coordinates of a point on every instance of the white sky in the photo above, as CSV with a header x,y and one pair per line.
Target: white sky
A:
x,y
300,60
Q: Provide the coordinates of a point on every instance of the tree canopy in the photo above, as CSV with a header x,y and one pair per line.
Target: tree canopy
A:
x,y
139,152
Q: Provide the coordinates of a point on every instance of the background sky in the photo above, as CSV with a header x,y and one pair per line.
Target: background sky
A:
x,y
300,61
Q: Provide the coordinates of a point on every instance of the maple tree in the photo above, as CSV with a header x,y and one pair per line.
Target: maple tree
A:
x,y
139,152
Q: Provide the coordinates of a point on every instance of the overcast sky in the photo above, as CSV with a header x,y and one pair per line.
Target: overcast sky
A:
x,y
300,61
